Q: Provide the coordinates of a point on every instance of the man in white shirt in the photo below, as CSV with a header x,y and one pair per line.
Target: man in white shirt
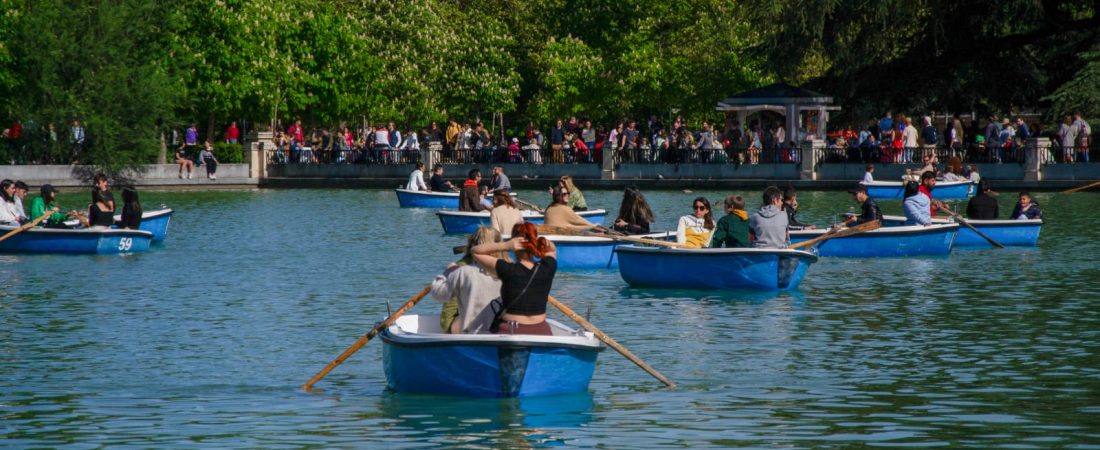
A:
x,y
416,179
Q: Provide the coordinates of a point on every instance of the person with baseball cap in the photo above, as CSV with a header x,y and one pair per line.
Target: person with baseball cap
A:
x,y
45,203
869,209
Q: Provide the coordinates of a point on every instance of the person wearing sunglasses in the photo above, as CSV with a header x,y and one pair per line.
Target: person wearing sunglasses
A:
x,y
695,230
559,214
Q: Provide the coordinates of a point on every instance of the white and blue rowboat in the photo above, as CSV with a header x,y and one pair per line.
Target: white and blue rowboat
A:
x,y
465,222
78,241
155,222
591,252
424,199
1008,232
886,242
419,358
713,268
944,190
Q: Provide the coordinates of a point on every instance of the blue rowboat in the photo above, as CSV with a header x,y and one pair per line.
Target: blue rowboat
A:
x,y
419,358
80,241
713,268
1009,232
463,222
423,199
155,222
886,242
944,190
585,252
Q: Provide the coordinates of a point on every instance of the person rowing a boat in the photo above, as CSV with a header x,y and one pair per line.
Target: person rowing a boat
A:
x,y
733,229
927,184
499,181
525,284
983,206
696,229
466,288
469,199
416,179
46,202
559,214
769,224
869,210
438,184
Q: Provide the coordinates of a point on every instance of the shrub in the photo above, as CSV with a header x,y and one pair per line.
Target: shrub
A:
x,y
229,153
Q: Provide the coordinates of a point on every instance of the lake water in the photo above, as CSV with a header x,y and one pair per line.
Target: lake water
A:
x,y
205,340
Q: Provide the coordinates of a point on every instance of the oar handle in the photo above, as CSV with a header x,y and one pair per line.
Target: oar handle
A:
x,y
971,227
29,225
529,205
610,342
370,335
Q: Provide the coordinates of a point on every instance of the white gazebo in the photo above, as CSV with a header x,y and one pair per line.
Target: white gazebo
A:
x,y
786,100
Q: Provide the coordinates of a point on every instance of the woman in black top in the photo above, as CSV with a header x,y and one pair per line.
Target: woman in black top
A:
x,y
525,284
131,209
634,213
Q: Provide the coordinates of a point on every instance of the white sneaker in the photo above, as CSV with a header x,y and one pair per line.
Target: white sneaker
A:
x,y
188,175
214,177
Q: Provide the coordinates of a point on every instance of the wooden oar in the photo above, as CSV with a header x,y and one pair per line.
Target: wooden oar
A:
x,y
610,342
547,229
370,335
529,205
861,228
28,225
1090,185
971,227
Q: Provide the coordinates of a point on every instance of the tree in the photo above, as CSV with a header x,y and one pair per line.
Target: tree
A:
x,y
983,55
97,61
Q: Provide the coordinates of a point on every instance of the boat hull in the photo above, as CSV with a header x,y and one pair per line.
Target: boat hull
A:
x,y
713,268
417,358
586,253
155,222
82,241
935,240
944,190
421,199
460,222
1008,232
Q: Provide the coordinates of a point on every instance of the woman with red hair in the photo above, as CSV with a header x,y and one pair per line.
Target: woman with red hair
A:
x,y
525,284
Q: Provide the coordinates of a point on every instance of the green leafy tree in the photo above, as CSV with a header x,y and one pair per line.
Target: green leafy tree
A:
x,y
96,61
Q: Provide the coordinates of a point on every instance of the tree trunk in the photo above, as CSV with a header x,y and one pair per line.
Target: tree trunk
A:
x,y
210,128
163,157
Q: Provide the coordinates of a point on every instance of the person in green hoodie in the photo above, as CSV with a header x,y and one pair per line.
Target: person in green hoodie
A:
x,y
733,229
46,202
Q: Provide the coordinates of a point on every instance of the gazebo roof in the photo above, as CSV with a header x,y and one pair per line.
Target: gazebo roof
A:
x,y
776,94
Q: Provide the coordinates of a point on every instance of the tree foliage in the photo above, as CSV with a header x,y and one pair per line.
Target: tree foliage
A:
x,y
984,55
99,62
133,68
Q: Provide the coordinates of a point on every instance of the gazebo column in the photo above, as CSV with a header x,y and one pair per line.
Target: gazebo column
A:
x,y
792,123
822,119
741,116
